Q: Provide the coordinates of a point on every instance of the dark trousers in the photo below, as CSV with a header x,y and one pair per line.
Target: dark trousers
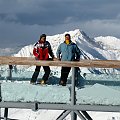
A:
x,y
64,73
36,73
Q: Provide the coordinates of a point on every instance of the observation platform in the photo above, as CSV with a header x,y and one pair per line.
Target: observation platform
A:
x,y
71,99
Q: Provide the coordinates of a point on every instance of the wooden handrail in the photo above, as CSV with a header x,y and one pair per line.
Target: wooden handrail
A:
x,y
8,60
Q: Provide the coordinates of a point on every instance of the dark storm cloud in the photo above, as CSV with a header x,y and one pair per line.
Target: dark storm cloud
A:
x,y
43,13
58,12
22,21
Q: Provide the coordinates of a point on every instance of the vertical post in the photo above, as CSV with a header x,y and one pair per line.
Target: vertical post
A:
x,y
0,114
10,73
5,113
0,93
0,100
73,94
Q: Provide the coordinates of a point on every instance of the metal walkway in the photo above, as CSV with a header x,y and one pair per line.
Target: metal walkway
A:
x,y
74,109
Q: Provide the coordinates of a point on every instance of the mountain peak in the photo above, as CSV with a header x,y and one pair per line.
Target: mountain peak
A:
x,y
111,43
90,48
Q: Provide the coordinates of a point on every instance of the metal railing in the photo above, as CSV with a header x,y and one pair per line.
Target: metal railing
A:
x,y
75,110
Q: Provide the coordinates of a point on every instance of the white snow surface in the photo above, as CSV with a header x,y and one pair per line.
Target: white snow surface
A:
x,y
24,92
109,41
104,48
93,48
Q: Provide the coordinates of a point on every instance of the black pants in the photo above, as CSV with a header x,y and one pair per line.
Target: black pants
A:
x,y
36,73
64,73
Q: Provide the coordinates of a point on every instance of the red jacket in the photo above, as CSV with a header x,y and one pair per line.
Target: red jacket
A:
x,y
42,50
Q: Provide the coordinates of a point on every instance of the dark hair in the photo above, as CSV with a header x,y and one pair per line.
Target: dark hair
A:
x,y
43,35
67,35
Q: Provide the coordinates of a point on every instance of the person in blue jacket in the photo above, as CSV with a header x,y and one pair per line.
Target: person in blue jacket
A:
x,y
67,51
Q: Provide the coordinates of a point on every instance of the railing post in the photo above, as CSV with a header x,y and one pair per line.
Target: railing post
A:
x,y
0,100
5,113
10,73
73,94
0,114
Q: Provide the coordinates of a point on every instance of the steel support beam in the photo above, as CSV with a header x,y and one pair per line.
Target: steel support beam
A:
x,y
52,106
86,115
73,94
63,115
80,115
22,105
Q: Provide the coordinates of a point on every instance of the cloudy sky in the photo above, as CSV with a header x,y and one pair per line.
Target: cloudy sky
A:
x,y
22,21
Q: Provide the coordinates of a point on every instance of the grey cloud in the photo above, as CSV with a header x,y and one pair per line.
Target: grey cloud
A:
x,y
57,12
22,21
103,27
14,34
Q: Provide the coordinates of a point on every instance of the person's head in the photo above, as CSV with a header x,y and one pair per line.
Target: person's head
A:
x,y
67,38
43,38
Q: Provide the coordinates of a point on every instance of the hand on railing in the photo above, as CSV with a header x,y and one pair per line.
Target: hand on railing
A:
x,y
36,58
56,59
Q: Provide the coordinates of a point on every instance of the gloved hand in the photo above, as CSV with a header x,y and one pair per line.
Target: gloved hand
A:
x,y
77,59
37,57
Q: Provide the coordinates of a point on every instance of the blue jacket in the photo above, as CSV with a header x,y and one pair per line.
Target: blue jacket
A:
x,y
68,52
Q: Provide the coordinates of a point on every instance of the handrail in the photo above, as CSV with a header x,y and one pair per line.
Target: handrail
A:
x,y
8,60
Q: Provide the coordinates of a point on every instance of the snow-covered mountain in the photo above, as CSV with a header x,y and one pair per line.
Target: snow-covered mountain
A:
x,y
104,48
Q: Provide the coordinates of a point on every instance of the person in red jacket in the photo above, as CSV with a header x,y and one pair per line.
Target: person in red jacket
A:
x,y
42,50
